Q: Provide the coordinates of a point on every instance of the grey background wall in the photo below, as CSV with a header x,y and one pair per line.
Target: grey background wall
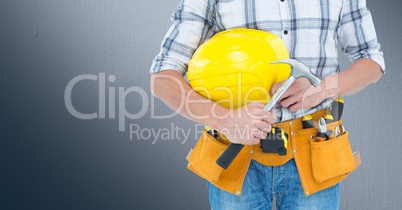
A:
x,y
53,160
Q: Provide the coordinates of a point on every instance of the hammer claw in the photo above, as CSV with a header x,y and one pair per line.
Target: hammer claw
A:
x,y
299,70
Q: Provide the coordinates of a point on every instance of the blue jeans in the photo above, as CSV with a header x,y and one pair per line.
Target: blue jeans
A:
x,y
263,183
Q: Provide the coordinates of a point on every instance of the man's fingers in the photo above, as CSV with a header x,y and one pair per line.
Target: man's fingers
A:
x,y
255,109
257,105
266,116
264,127
260,113
289,93
249,141
288,101
257,133
275,87
254,141
295,107
270,118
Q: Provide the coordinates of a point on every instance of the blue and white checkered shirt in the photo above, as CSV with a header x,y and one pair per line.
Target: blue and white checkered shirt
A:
x,y
311,30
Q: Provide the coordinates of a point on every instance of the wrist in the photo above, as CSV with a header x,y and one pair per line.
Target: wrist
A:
x,y
330,87
218,116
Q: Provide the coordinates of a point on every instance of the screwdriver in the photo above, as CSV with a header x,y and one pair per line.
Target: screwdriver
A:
x,y
337,108
308,121
212,132
328,118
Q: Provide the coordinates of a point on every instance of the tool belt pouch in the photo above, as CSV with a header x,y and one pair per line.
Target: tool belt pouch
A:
x,y
331,158
202,158
323,164
202,161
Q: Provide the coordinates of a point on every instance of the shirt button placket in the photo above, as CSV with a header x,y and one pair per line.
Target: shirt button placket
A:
x,y
284,17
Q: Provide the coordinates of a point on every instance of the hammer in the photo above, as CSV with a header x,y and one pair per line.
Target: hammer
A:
x,y
298,70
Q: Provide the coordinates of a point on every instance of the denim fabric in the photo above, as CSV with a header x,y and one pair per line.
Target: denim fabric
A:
x,y
263,183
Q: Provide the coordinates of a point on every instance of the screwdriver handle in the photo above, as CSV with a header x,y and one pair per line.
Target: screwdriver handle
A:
x,y
229,155
337,108
328,118
307,121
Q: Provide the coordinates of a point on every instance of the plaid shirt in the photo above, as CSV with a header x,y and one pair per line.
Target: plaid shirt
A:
x,y
311,30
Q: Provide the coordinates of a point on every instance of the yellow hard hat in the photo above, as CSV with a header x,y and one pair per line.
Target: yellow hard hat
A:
x,y
233,67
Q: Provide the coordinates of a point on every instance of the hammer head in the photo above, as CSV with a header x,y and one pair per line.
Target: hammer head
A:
x,y
299,70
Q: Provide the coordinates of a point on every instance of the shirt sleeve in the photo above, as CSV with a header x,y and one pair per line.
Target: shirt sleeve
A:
x,y
356,33
192,25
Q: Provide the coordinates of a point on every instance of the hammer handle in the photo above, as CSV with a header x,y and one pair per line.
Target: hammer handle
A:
x,y
278,94
229,155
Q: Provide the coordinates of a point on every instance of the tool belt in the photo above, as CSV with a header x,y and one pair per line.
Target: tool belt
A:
x,y
320,164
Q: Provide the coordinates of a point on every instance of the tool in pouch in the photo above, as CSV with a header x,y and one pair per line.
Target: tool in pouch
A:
x,y
212,132
307,121
337,108
328,118
298,70
336,112
339,131
323,133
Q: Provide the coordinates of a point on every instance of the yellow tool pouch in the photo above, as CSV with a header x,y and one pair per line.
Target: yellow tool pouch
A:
x,y
202,161
332,158
323,164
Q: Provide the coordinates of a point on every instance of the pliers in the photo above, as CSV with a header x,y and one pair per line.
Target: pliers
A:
x,y
339,131
323,133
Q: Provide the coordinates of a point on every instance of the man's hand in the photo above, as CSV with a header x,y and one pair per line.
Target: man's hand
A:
x,y
301,94
248,124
